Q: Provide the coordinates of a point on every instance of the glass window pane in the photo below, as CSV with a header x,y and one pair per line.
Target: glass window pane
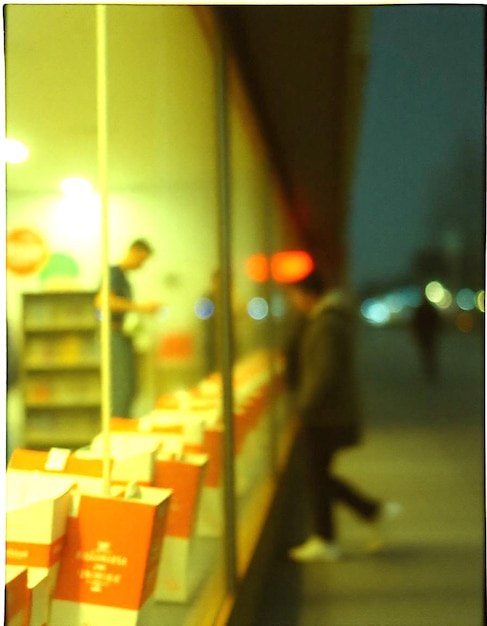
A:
x,y
162,181
250,218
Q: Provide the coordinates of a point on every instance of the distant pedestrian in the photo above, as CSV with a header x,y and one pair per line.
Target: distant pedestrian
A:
x,y
426,325
327,403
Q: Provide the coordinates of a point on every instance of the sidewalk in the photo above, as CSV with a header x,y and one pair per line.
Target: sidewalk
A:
x,y
424,448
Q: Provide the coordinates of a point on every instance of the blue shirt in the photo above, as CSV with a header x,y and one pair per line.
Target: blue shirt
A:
x,y
120,286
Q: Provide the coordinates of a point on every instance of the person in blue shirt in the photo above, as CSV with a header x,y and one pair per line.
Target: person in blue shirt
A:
x,y
123,358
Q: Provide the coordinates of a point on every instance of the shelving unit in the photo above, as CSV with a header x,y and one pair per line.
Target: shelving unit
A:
x,y
61,370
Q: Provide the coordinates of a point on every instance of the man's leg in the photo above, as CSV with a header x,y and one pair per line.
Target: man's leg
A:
x,y
319,460
123,375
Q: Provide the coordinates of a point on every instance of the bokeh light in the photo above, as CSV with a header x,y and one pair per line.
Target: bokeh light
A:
x,y
446,300
481,301
257,267
204,308
257,308
394,302
466,299
375,312
438,295
434,291
290,266
464,322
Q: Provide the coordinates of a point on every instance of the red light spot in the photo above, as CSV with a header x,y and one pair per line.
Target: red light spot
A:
x,y
288,267
257,268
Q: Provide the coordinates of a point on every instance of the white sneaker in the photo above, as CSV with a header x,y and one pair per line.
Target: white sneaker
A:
x,y
389,511
315,549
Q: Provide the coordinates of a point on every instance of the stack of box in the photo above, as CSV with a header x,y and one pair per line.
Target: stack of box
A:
x,y
99,555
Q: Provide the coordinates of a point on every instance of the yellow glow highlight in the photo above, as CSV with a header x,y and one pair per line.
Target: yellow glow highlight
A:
x,y
15,151
435,292
481,301
446,300
76,187
438,295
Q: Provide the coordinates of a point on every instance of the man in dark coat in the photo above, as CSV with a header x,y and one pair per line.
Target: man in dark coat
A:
x,y
327,404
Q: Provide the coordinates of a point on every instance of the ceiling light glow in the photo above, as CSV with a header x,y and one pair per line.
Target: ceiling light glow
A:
x,y
76,187
15,151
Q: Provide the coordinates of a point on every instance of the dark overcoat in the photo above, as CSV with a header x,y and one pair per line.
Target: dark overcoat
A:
x,y
326,393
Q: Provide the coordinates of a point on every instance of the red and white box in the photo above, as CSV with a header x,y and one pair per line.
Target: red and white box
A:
x,y
16,596
37,512
210,513
184,476
110,559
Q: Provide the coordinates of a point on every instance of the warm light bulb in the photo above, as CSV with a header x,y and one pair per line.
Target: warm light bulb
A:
x,y
15,151
76,187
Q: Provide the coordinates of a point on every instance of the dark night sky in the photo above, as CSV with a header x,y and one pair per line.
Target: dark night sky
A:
x,y
420,168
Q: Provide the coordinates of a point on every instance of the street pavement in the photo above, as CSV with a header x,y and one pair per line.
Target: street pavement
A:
x,y
424,448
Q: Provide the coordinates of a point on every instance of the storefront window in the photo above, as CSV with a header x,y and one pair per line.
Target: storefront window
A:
x,y
162,191
117,226
252,375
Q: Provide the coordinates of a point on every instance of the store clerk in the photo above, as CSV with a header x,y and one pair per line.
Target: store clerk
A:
x,y
123,359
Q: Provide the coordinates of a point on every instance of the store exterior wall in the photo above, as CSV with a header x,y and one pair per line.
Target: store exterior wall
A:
x,y
164,176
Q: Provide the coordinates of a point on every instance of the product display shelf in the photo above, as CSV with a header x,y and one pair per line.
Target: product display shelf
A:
x,y
61,368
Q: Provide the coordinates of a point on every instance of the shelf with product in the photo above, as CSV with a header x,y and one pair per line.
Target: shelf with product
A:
x,y
61,369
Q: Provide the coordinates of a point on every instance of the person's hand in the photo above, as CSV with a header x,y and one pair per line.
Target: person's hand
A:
x,y
149,307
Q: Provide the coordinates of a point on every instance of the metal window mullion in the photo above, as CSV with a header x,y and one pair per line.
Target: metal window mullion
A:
x,y
102,154
271,335
226,328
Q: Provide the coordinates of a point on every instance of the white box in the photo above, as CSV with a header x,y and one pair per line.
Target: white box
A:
x,y
37,512
133,459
